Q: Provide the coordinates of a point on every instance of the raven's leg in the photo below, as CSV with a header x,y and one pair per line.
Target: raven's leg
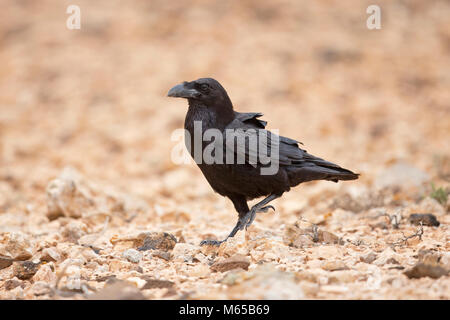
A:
x,y
246,215
241,206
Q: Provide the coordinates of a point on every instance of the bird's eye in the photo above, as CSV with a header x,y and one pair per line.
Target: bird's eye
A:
x,y
204,87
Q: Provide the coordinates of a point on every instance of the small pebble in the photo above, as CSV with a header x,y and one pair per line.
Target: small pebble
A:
x,y
132,255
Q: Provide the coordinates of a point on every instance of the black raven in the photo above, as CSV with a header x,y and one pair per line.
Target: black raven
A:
x,y
210,106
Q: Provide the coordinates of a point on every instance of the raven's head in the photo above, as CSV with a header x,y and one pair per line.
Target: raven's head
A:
x,y
206,91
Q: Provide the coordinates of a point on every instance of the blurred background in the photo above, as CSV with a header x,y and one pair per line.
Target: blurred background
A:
x,y
94,99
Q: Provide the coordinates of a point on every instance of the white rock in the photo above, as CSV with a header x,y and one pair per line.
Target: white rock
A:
x,y
40,288
334,289
138,282
368,256
68,196
327,252
45,274
200,270
16,245
388,256
184,252
50,254
74,230
132,255
266,282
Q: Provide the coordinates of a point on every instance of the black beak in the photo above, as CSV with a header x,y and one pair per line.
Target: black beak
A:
x,y
181,91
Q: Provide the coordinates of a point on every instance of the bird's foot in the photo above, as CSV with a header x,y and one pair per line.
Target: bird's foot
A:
x,y
209,242
242,223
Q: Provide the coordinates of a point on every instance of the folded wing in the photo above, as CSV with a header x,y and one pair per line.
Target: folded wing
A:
x,y
249,141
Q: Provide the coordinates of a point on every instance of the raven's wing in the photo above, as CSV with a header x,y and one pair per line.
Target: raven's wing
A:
x,y
251,118
247,128
259,146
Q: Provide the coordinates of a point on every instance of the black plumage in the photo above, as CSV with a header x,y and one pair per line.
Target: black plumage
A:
x,y
209,103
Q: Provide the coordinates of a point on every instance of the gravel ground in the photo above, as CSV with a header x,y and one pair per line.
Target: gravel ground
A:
x,y
92,206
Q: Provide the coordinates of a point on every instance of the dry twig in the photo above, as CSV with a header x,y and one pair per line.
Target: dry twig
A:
x,y
404,240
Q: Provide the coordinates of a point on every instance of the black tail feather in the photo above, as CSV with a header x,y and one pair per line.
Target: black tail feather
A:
x,y
318,169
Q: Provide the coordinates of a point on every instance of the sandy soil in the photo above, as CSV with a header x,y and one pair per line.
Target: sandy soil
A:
x,y
92,206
